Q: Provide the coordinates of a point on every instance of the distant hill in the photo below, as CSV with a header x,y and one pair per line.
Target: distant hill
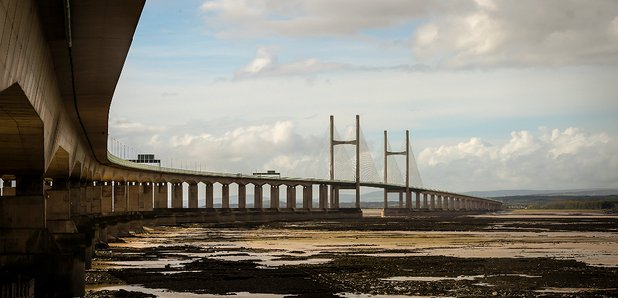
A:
x,y
560,202
528,192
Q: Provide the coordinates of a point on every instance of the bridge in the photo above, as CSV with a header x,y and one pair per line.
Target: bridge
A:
x,y
62,190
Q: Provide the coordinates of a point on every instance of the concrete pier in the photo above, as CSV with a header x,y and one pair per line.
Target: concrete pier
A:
x,y
274,197
177,195
192,195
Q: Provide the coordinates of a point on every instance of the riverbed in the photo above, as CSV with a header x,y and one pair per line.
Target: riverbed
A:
x,y
444,255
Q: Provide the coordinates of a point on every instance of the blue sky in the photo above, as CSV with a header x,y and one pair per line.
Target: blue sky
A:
x,y
497,95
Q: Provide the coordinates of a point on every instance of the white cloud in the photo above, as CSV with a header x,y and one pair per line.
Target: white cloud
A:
x,y
128,127
452,34
521,33
265,64
571,158
243,149
250,18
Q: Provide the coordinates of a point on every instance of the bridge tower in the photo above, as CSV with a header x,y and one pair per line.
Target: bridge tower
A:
x,y
406,153
333,143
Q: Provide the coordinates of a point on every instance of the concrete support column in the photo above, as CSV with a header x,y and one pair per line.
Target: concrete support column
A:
x,y
133,190
192,195
146,198
177,195
160,196
106,197
334,197
29,243
323,196
120,196
400,199
95,199
209,196
274,196
418,200
242,196
58,202
291,197
432,201
77,194
307,197
425,205
225,196
445,204
258,197
409,199
85,206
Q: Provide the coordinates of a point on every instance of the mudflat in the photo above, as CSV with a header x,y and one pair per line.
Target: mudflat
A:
x,y
547,254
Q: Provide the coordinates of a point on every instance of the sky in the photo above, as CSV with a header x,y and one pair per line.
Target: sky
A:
x,y
496,94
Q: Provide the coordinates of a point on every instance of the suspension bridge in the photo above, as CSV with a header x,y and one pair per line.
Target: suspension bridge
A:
x,y
63,191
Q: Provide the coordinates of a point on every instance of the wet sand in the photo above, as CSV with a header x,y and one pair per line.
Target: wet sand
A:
x,y
447,255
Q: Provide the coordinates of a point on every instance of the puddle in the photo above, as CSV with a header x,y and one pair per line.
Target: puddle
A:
x,y
571,290
460,277
519,275
179,271
432,278
145,264
277,263
163,293
263,259
388,254
354,295
483,284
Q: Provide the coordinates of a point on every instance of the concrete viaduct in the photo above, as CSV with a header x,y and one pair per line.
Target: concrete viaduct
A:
x,y
60,61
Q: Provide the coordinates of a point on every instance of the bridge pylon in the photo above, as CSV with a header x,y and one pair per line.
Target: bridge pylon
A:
x,y
406,153
334,143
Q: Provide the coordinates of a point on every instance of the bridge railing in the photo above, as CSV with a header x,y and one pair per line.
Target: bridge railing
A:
x,y
140,166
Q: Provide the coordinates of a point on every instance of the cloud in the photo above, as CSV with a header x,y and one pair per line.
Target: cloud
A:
x,y
126,126
297,18
265,64
450,34
521,33
240,150
570,158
